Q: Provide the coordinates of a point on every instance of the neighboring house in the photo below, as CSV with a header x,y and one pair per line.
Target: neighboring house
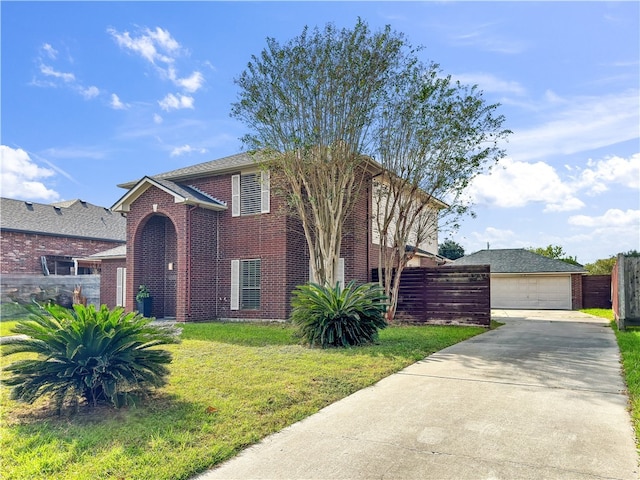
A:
x,y
525,280
211,241
48,239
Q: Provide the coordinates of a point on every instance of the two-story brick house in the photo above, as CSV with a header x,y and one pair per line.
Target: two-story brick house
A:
x,y
213,241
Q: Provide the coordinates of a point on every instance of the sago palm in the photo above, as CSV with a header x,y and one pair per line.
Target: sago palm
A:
x,y
339,317
98,354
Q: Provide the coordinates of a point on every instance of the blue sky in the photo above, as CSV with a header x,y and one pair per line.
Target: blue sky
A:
x,y
96,94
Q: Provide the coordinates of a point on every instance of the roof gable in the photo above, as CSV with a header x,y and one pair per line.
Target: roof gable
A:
x,y
518,260
182,194
73,218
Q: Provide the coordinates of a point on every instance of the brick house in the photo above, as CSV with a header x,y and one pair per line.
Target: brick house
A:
x,y
46,239
211,241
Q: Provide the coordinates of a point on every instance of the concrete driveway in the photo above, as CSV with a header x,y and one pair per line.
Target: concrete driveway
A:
x,y
540,397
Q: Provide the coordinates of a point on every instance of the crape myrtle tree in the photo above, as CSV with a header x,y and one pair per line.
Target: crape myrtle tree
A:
x,y
434,135
310,105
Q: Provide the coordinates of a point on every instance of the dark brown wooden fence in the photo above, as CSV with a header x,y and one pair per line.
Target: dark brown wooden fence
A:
x,y
458,295
596,291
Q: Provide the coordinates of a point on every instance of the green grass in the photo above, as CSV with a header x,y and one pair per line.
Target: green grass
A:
x,y
599,312
629,344
230,386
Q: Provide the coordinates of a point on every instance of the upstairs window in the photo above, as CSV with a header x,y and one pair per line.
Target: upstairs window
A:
x,y
250,194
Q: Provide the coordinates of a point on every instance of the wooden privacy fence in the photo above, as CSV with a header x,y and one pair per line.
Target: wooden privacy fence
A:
x,y
596,291
457,295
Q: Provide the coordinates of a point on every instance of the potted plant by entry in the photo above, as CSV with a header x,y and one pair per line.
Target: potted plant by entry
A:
x,y
144,301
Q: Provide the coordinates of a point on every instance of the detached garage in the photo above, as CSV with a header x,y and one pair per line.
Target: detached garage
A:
x,y
521,279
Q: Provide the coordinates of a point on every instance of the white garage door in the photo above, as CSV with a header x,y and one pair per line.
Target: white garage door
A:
x,y
531,292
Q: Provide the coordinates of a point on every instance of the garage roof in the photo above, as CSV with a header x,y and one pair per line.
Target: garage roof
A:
x,y
518,260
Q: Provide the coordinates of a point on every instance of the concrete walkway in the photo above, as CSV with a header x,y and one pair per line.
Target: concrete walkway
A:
x,y
540,397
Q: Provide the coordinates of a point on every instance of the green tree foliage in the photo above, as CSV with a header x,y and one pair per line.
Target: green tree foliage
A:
x,y
556,252
434,136
604,266
451,250
310,105
99,355
338,317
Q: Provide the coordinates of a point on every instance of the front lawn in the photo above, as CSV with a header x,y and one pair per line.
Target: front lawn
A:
x,y
629,344
230,386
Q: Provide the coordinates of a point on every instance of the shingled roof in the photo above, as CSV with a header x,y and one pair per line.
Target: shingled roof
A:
x,y
73,218
518,260
221,165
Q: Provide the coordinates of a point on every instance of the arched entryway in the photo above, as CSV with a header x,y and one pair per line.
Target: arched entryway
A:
x,y
156,263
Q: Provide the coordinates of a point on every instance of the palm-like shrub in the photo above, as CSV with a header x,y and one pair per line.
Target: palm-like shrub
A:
x,y
100,355
339,317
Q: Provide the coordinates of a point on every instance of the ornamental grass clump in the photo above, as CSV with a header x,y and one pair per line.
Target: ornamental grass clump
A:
x,y
339,317
99,355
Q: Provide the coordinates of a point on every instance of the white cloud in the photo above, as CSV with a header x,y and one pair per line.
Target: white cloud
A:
x,y
153,45
484,38
186,149
51,72
490,83
516,184
117,104
612,170
157,119
612,218
89,92
173,102
20,176
578,124
160,49
191,84
51,52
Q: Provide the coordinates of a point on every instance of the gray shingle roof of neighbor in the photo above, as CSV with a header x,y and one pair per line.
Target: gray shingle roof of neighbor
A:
x,y
226,164
117,252
517,260
73,218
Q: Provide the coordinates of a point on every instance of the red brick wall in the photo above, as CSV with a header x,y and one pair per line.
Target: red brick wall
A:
x,y
356,241
21,252
576,291
109,281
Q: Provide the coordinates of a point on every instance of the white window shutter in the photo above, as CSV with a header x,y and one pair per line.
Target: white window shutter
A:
x,y
265,198
235,195
121,287
235,284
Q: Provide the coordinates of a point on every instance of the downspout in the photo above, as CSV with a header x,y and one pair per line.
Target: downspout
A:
x,y
217,260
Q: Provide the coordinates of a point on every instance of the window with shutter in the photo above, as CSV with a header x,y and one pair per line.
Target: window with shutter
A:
x,y
250,284
250,194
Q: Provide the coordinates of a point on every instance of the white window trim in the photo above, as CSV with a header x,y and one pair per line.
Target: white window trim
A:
x,y
265,192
